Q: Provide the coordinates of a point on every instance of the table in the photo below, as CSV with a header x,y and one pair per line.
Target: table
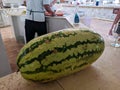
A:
x,y
104,74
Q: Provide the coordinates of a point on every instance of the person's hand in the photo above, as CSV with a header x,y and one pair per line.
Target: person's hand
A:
x,y
110,32
53,14
50,14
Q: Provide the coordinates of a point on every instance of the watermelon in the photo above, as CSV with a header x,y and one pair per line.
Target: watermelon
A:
x,y
58,54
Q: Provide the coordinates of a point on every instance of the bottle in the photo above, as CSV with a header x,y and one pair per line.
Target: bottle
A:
x,y
76,18
97,2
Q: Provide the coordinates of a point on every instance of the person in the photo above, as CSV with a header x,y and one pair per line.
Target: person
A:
x,y
115,22
116,27
1,4
35,18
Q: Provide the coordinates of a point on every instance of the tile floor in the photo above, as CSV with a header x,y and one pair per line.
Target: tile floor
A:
x,y
13,47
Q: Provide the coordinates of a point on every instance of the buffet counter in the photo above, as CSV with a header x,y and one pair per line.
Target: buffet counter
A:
x,y
53,24
110,6
104,12
61,22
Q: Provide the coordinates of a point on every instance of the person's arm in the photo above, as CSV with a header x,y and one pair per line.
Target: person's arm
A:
x,y
52,3
117,18
48,9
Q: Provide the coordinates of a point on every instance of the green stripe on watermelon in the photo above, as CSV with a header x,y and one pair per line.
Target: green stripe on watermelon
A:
x,y
39,41
30,47
50,75
51,61
59,54
82,46
56,41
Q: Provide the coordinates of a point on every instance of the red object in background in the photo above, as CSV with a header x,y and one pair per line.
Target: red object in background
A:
x,y
58,13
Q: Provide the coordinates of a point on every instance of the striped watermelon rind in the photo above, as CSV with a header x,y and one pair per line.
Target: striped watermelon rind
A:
x,y
59,54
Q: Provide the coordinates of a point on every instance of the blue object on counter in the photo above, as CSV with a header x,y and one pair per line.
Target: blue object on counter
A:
x,y
97,3
76,18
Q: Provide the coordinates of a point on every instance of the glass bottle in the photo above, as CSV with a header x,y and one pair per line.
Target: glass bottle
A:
x,y
76,17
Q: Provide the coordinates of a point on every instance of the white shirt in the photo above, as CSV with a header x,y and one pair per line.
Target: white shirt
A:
x,y
35,10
